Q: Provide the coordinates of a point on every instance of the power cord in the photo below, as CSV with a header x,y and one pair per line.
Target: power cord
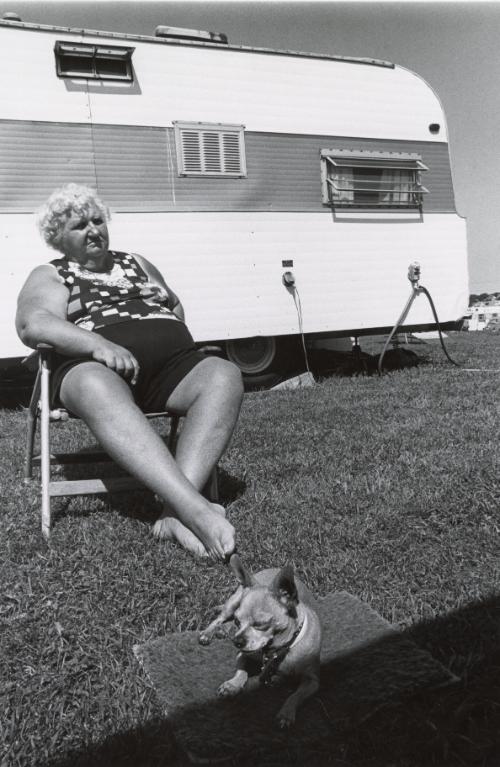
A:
x,y
298,306
288,280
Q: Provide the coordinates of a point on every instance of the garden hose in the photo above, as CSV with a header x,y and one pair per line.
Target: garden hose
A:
x,y
416,289
441,341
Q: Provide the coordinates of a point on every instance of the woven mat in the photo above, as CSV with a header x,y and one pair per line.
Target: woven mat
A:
x,y
365,663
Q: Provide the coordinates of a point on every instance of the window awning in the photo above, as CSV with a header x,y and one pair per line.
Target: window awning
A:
x,y
346,158
372,179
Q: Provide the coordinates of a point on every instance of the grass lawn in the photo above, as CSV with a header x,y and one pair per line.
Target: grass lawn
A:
x,y
387,487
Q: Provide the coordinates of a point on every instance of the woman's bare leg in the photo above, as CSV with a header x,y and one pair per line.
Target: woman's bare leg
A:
x,y
104,401
210,399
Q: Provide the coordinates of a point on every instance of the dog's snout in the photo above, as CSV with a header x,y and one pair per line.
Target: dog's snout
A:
x,y
239,642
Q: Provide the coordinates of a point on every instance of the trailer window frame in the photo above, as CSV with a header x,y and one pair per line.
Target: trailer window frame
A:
x,y
89,61
372,180
215,150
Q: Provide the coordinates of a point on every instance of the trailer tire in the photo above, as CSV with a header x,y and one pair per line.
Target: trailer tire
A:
x,y
263,360
253,356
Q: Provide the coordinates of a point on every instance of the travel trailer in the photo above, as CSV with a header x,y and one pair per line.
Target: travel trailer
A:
x,y
279,193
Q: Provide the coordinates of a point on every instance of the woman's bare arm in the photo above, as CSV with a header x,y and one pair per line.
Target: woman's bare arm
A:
x,y
41,318
156,276
41,314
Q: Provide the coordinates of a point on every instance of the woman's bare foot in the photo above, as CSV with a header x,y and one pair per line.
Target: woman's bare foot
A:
x,y
217,534
169,527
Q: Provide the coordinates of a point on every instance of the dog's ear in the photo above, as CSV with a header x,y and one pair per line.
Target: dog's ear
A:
x,y
284,586
244,576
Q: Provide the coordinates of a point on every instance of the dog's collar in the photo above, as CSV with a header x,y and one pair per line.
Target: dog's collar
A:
x,y
272,659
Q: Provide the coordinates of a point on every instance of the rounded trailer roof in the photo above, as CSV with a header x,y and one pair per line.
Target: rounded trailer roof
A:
x,y
192,43
279,91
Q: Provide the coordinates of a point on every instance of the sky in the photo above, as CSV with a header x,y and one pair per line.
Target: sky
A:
x,y
454,46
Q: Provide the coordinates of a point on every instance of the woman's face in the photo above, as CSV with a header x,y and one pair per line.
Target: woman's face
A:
x,y
85,239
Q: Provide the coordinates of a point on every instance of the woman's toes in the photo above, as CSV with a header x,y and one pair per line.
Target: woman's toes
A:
x,y
172,529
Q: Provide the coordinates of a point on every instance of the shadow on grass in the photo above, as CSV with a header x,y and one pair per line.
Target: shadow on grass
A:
x,y
324,363
16,385
15,392
140,504
454,725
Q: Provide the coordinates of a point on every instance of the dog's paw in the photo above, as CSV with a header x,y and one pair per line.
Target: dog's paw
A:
x,y
204,639
229,688
286,716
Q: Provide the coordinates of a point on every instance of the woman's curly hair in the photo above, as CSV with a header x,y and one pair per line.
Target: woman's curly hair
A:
x,y
68,199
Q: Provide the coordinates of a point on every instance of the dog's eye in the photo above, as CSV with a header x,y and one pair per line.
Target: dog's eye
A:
x,y
262,626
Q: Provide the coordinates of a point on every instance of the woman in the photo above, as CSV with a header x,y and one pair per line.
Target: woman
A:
x,y
123,348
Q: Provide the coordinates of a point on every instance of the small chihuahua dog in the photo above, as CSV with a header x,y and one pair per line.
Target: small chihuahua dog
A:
x,y
278,634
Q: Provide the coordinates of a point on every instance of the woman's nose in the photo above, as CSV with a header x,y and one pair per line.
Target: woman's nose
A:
x,y
92,228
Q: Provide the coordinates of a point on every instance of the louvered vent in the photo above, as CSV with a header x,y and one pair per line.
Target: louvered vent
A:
x,y
191,152
210,150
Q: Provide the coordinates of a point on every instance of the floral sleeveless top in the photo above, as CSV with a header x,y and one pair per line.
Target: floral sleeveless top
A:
x,y
125,293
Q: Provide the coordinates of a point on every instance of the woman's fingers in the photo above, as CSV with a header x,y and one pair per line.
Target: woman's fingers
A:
x,y
127,366
135,371
118,359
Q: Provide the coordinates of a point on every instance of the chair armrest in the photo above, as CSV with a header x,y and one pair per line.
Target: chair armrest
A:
x,y
45,352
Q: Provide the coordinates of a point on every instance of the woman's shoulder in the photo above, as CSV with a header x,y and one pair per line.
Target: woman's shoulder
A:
x,y
128,259
147,267
140,265
49,270
121,255
44,275
127,256
59,264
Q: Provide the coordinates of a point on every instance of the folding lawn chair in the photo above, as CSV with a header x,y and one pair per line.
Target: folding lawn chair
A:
x,y
39,408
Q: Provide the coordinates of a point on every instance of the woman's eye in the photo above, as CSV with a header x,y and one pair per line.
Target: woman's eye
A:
x,y
262,626
236,623
97,221
80,225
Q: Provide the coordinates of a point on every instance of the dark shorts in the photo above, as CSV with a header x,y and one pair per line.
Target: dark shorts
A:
x,y
164,349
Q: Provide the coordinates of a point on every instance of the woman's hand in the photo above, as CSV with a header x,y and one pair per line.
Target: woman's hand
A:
x,y
116,358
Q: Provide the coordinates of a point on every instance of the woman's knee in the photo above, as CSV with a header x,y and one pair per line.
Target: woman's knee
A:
x,y
215,376
90,386
227,375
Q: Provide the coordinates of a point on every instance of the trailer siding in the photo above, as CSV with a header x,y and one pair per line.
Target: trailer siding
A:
x,y
284,174
134,168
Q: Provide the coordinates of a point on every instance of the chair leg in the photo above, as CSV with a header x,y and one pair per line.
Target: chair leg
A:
x,y
31,430
45,450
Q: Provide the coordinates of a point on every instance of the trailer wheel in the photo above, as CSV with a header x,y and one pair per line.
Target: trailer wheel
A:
x,y
263,360
253,356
